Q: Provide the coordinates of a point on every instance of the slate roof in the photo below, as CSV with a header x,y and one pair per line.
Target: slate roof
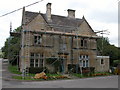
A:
x,y
59,23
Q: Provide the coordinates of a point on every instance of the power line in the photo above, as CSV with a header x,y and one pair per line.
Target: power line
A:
x,y
20,8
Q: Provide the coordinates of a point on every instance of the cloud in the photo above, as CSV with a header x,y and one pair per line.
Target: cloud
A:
x,y
104,16
101,14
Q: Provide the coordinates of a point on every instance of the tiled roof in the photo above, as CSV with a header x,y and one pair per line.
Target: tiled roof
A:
x,y
59,23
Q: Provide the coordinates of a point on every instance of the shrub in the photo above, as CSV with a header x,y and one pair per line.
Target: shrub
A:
x,y
72,68
35,70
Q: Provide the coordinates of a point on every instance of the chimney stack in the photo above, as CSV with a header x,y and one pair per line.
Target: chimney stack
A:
x,y
71,13
48,11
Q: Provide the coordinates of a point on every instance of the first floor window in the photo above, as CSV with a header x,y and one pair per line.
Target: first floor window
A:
x,y
84,43
37,39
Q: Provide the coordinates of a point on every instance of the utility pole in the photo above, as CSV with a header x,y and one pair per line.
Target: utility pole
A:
x,y
9,43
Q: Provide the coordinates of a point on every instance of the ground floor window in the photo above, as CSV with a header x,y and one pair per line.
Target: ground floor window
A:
x,y
84,61
36,60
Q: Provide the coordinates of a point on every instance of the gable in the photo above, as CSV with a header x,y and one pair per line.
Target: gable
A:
x,y
85,29
37,23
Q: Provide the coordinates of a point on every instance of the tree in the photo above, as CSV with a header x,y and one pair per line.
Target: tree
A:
x,y
12,47
108,50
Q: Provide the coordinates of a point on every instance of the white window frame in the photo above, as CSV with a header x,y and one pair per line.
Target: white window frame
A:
x,y
39,58
84,58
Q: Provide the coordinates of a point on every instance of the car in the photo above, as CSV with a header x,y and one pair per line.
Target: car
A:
x,y
5,60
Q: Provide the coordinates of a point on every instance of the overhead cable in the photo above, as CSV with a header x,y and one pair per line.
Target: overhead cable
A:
x,y
20,8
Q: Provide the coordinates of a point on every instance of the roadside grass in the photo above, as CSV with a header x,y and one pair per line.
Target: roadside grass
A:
x,y
78,75
26,78
30,76
13,69
92,74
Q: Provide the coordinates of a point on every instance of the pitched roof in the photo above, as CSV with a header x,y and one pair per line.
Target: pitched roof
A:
x,y
59,23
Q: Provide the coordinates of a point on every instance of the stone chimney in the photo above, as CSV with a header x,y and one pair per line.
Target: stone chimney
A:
x,y
48,11
71,13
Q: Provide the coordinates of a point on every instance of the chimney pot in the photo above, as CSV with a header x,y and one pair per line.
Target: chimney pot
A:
x,y
71,13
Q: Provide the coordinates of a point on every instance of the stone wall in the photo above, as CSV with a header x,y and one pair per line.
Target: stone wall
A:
x,y
102,67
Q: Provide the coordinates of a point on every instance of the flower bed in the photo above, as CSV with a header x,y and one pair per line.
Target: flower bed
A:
x,y
100,74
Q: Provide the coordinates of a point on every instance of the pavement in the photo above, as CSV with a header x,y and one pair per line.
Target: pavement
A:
x,y
96,82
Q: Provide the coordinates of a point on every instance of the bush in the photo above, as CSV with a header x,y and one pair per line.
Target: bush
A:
x,y
72,68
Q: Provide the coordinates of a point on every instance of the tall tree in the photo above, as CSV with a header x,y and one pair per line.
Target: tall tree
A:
x,y
12,47
106,49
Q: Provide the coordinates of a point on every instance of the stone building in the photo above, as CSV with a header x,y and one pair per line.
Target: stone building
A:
x,y
102,63
47,36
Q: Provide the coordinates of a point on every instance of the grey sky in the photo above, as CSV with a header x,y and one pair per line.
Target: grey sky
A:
x,y
101,14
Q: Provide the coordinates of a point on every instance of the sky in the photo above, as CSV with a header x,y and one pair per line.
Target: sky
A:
x,y
100,14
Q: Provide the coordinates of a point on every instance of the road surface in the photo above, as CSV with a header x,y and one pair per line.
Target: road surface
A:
x,y
96,82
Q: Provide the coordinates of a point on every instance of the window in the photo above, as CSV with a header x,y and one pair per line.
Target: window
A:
x,y
81,57
84,61
87,57
36,60
32,62
102,61
37,39
36,63
83,43
81,63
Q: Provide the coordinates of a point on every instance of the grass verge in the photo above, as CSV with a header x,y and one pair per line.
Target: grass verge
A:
x,y
13,69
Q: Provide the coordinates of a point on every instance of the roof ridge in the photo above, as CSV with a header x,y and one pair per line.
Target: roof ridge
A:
x,y
54,15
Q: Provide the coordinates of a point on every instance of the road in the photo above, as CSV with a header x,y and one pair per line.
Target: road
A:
x,y
101,82
0,73
96,82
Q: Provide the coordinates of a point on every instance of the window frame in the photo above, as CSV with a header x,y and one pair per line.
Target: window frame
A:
x,y
37,39
84,61
37,56
83,43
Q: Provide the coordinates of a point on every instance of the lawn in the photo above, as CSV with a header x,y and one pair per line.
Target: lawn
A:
x,y
13,69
